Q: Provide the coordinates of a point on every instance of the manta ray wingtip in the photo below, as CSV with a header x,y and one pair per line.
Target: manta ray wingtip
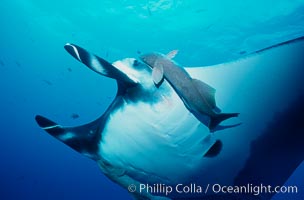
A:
x,y
48,125
74,51
68,45
44,122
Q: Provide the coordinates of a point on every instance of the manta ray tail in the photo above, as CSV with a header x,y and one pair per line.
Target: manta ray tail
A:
x,y
84,139
215,121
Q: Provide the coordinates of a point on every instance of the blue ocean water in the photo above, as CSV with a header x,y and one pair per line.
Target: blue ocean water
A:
x,y
38,76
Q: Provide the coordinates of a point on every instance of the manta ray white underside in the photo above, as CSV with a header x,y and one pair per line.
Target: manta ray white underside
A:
x,y
147,135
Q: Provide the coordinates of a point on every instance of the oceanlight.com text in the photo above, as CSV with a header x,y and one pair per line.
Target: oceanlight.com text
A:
x,y
163,189
253,189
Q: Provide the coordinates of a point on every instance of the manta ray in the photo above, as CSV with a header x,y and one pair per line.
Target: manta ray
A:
x,y
148,135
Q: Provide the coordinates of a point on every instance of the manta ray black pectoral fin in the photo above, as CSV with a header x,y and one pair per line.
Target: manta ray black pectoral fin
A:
x,y
84,139
206,91
218,118
98,64
215,149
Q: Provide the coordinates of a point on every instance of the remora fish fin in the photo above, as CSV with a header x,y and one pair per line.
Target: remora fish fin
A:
x,y
206,91
215,149
98,64
172,54
84,139
158,73
223,127
215,121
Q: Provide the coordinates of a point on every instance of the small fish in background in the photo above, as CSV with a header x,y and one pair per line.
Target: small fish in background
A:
x,y
20,178
201,10
107,54
138,52
47,82
74,35
18,64
2,63
149,11
242,52
75,116
69,69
